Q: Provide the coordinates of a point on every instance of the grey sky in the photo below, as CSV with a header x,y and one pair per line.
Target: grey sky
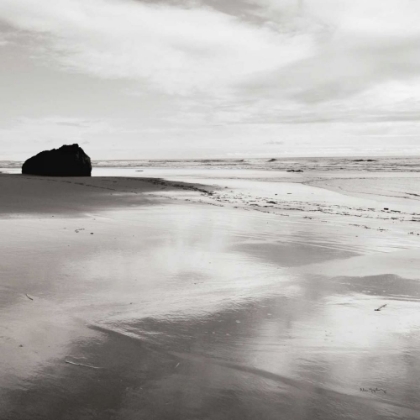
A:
x,y
156,79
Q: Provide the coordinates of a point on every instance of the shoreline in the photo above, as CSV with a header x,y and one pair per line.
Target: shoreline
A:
x,y
318,200
28,194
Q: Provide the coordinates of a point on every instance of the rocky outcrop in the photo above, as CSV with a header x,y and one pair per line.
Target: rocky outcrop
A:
x,y
68,160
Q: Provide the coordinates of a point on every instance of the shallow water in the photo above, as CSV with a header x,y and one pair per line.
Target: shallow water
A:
x,y
178,311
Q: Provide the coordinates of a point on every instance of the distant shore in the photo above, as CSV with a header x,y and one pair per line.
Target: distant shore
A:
x,y
318,163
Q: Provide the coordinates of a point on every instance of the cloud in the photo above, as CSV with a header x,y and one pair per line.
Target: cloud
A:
x,y
359,44
3,41
304,52
28,136
179,50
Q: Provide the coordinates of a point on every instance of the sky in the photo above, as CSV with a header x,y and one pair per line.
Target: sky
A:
x,y
143,79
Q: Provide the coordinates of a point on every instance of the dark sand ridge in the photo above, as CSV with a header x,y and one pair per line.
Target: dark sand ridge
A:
x,y
28,194
314,349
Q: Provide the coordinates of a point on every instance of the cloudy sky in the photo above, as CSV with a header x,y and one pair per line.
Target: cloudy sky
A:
x,y
210,78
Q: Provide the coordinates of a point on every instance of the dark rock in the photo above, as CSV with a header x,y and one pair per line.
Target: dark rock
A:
x,y
68,160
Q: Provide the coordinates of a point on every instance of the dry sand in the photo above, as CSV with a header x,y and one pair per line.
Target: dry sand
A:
x,y
252,298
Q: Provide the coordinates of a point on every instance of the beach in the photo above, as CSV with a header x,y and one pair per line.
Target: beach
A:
x,y
212,290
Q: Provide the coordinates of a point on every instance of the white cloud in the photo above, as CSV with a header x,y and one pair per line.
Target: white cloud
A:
x,y
359,44
179,50
29,136
327,49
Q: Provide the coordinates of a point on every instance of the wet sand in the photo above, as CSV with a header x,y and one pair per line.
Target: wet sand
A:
x,y
195,298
